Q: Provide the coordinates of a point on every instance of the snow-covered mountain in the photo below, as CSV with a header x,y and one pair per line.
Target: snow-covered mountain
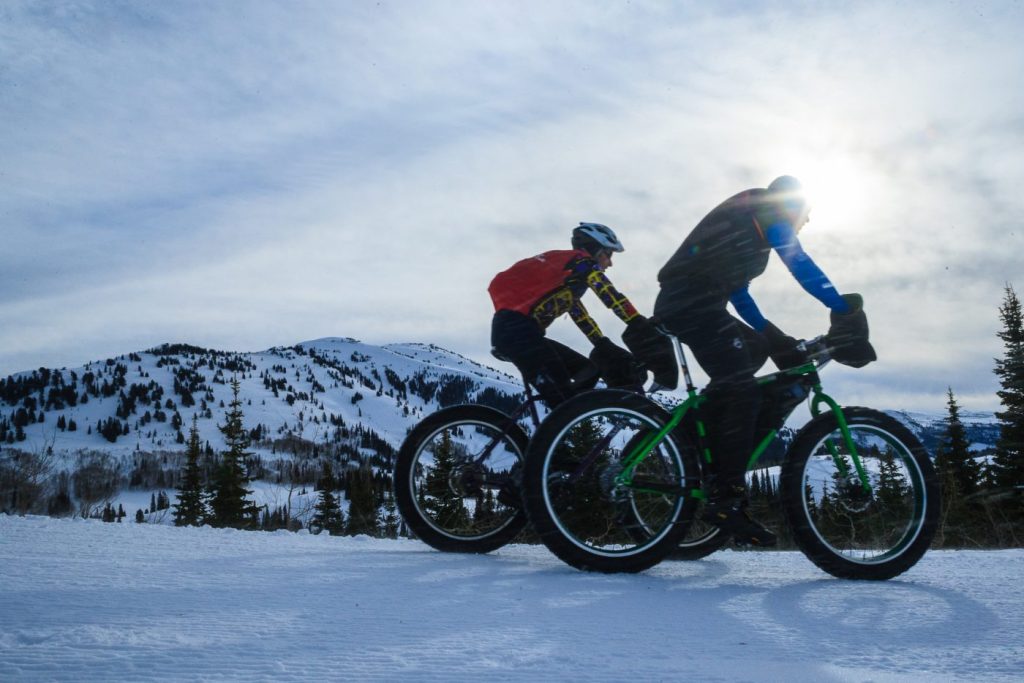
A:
x,y
982,429
323,391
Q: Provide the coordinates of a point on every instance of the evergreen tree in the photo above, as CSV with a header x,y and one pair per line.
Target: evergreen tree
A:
x,y
1004,504
485,513
362,503
392,520
954,451
229,503
190,509
442,503
1008,463
328,516
960,477
892,489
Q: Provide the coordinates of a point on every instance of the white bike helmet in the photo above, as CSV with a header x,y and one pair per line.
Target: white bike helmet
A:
x,y
593,237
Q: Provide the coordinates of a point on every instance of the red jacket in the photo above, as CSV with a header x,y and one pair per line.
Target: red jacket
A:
x,y
547,285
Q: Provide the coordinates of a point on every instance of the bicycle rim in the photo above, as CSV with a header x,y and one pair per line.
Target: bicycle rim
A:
x,y
460,492
585,497
860,527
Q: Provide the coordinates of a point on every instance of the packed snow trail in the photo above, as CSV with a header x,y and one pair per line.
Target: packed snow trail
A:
x,y
87,601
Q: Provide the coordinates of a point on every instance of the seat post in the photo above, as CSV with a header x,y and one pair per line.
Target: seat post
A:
x,y
681,356
531,399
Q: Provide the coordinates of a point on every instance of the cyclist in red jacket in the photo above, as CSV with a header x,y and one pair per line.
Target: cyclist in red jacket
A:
x,y
532,293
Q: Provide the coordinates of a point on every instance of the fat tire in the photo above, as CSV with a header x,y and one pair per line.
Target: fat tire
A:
x,y
697,548
535,484
914,542
405,488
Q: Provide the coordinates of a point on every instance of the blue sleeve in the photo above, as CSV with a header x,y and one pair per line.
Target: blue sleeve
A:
x,y
783,239
748,310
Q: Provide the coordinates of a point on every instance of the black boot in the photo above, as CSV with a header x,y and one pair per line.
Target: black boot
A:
x,y
727,510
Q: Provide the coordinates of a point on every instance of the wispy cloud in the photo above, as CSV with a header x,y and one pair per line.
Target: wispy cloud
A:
x,y
250,174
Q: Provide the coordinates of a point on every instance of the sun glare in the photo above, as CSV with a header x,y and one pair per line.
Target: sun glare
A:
x,y
837,188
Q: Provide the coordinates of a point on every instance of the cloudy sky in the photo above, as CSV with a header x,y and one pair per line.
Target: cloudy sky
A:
x,y
249,174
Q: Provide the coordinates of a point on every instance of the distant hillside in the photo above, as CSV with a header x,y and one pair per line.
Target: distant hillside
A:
x,y
326,391
323,391
982,428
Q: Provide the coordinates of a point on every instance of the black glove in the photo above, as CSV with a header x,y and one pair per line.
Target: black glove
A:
x,y
848,334
617,365
653,349
783,349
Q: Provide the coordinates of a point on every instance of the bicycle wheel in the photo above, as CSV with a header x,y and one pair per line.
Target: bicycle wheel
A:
x,y
574,500
701,539
847,531
454,479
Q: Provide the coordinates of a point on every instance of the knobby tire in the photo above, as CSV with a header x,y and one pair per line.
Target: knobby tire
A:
x,y
443,504
844,530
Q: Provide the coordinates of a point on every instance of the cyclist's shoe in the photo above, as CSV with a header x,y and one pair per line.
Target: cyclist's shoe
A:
x,y
729,513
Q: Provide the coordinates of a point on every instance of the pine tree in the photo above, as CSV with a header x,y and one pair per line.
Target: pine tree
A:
x,y
442,503
362,510
229,503
954,451
1005,473
1008,463
329,516
485,512
960,477
191,508
392,520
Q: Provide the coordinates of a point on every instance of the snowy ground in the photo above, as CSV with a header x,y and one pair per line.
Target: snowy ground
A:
x,y
87,601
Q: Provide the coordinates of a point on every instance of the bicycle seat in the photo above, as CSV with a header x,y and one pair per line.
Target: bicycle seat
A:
x,y
586,378
500,356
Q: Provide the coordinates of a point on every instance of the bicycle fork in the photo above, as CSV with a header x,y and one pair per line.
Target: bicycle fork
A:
x,y
847,439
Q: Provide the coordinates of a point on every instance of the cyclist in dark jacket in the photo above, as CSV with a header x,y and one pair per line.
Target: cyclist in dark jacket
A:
x,y
533,292
714,267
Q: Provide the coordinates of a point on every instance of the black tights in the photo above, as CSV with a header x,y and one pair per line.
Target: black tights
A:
x,y
730,352
547,365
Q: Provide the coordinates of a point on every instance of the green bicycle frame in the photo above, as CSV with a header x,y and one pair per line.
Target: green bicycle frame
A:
x,y
818,397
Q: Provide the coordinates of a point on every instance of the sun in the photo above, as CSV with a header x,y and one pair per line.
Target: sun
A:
x,y
837,187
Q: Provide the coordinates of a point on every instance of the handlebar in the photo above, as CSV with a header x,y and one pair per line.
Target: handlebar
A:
x,y
817,350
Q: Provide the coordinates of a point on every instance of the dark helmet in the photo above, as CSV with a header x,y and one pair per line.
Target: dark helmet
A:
x,y
786,185
593,237
790,193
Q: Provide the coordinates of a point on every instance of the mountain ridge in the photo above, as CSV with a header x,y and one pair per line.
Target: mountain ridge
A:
x,y
308,391
302,390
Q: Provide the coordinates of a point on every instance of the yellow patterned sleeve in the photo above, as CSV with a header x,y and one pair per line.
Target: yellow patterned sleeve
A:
x,y
587,324
611,297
